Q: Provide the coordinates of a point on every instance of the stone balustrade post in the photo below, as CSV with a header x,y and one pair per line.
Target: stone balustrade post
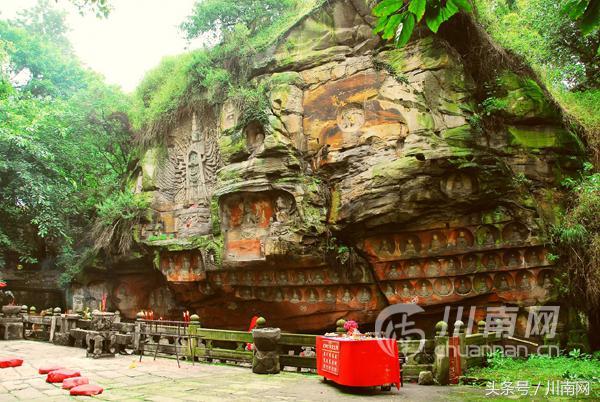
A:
x,y
265,358
441,363
459,330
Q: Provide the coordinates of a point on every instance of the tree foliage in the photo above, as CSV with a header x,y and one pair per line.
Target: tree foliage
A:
x,y
397,18
217,18
558,48
65,141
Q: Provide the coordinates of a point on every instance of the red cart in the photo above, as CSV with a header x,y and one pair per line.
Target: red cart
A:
x,y
359,363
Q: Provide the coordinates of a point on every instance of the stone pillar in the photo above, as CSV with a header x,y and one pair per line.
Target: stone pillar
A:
x,y
459,330
265,359
193,330
441,363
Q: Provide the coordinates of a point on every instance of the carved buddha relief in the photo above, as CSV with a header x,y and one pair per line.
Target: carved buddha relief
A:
x,y
482,283
442,287
524,280
462,286
412,245
487,235
405,289
351,118
424,288
503,281
458,185
515,233
255,136
346,297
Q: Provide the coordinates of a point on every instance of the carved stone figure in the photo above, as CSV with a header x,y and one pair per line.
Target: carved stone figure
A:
x,y
347,298
365,295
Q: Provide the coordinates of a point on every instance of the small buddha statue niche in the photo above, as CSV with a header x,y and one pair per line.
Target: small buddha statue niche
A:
x,y
255,136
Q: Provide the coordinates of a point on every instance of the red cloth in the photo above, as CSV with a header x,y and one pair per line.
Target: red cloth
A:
x,y
87,390
49,368
73,382
252,326
61,375
10,362
358,363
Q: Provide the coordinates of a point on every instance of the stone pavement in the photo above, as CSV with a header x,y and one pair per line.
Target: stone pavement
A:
x,y
124,379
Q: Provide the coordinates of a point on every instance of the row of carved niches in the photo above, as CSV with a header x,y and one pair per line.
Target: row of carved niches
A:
x,y
513,285
300,277
187,266
501,260
359,296
447,241
247,218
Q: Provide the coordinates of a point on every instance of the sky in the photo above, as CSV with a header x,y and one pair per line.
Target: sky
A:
x,y
134,38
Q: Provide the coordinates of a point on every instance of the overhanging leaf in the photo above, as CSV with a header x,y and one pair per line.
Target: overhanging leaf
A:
x,y
387,7
392,26
417,7
408,25
381,22
591,19
434,19
464,5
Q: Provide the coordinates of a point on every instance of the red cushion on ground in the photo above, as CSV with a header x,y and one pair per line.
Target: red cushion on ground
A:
x,y
49,368
10,362
74,382
61,375
87,389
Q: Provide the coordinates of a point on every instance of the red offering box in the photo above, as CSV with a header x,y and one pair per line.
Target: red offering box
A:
x,y
358,363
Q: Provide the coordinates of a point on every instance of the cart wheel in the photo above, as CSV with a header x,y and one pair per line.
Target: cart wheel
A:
x,y
386,388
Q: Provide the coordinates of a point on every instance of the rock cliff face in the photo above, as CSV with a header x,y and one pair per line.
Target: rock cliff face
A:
x,y
374,182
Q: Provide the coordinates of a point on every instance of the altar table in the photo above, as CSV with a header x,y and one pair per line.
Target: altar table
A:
x,y
358,363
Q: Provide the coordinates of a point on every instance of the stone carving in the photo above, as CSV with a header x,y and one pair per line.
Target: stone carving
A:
x,y
424,288
394,273
514,233
365,295
452,266
462,286
458,185
351,118
255,136
433,268
470,262
482,283
442,287
512,259
524,280
487,235
503,281
412,246
438,242
347,297
491,261
532,258
406,290
413,271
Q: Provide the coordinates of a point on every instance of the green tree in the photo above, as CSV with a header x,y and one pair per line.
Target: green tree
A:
x,y
65,142
217,18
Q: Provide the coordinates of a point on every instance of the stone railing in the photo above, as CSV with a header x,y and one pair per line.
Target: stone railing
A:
x,y
289,350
